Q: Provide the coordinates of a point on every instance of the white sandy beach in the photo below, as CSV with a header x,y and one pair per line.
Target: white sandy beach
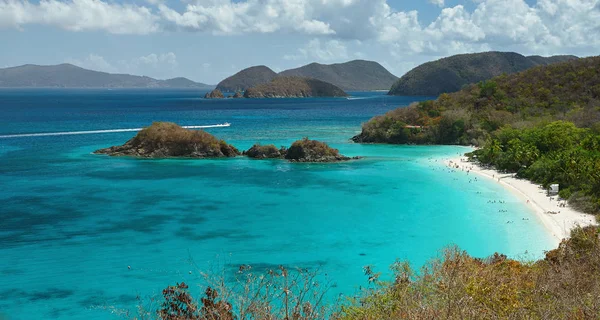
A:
x,y
534,196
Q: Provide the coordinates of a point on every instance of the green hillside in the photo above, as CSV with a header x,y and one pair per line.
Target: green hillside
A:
x,y
452,73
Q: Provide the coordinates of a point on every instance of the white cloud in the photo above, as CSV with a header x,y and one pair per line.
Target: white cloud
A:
x,y
439,3
162,65
326,51
79,15
154,59
265,16
546,26
93,62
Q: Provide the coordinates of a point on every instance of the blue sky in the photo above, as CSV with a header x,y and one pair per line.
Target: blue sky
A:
x,y
208,40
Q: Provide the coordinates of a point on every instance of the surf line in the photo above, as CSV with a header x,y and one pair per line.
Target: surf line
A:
x,y
67,133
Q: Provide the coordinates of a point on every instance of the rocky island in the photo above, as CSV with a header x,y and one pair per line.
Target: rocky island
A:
x,y
294,87
168,140
258,151
304,150
215,94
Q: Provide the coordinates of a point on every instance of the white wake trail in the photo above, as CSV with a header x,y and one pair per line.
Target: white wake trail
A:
x,y
68,133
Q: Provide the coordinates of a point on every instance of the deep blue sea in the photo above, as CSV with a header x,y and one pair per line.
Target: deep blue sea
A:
x,y
72,222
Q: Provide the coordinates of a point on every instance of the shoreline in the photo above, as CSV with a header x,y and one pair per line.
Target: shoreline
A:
x,y
534,197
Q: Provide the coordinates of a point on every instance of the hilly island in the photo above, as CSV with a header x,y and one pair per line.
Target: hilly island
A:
x,y
356,75
452,73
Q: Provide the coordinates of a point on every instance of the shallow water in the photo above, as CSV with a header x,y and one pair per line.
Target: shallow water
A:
x,y
72,222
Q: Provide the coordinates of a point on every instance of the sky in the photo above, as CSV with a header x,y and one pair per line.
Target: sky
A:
x,y
209,40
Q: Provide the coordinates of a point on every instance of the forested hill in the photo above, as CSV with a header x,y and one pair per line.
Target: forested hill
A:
x,y
70,76
542,124
356,75
563,91
452,73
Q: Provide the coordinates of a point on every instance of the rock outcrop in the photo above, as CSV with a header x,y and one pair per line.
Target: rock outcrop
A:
x,y
238,95
270,151
215,94
294,87
306,150
168,140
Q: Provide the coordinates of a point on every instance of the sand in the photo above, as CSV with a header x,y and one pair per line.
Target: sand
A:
x,y
556,216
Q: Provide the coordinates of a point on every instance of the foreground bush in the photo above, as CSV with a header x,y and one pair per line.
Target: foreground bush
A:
x,y
272,294
564,285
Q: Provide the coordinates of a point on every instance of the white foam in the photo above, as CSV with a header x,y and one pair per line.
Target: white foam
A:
x,y
67,133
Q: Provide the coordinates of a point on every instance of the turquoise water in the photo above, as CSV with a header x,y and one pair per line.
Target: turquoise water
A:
x,y
72,222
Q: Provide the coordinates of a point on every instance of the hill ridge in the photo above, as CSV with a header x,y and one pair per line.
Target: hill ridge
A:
x,y
450,74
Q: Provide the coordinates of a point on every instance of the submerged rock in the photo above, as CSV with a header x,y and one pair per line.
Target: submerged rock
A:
x,y
215,94
168,140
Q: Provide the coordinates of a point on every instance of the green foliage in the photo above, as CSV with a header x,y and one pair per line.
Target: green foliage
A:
x,y
487,89
557,152
563,91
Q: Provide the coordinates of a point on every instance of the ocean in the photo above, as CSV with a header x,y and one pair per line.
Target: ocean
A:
x,y
83,236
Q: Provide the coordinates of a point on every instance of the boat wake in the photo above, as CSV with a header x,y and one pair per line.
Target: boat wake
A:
x,y
68,133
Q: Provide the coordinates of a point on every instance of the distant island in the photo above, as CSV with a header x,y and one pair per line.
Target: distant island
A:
x,y
70,76
247,78
294,87
452,73
168,140
357,75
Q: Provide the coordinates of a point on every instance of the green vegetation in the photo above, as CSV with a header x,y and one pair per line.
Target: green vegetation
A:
x,y
166,139
356,75
564,285
247,78
543,124
294,87
557,152
453,73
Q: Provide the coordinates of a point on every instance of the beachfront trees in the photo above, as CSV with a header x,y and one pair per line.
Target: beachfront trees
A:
x,y
556,152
